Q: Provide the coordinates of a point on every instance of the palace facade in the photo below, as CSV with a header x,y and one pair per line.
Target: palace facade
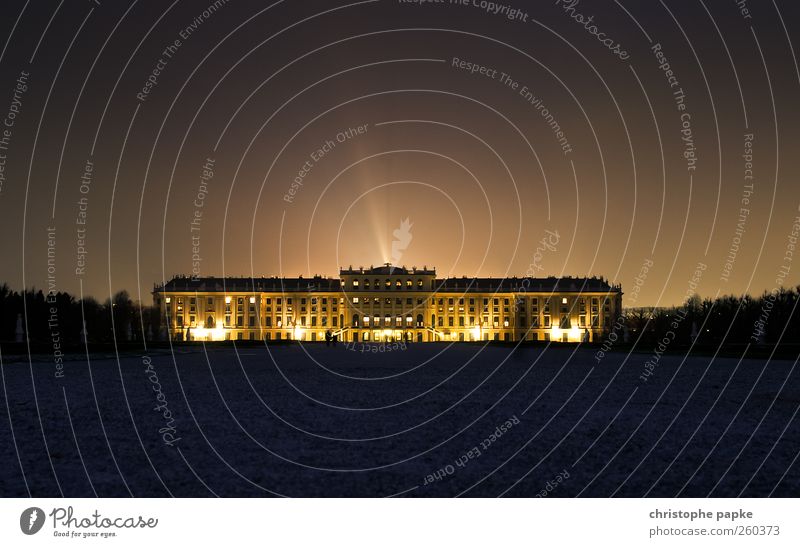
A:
x,y
389,303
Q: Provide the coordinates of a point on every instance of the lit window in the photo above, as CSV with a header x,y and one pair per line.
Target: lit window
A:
x,y
564,300
227,299
168,300
252,299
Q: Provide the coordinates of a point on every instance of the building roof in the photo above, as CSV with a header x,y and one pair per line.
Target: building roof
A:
x,y
387,269
328,284
525,284
248,284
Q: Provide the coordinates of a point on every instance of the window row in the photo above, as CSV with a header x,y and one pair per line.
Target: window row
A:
x,y
376,284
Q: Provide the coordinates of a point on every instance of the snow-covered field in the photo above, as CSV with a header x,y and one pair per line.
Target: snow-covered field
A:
x,y
428,420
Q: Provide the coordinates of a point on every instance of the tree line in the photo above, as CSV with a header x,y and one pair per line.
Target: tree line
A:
x,y
765,319
72,319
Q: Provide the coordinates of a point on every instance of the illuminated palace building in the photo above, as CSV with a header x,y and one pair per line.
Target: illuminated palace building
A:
x,y
388,303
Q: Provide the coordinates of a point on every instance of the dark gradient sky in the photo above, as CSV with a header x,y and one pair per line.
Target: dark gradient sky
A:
x,y
475,167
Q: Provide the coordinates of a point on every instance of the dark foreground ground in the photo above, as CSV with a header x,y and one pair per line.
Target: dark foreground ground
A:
x,y
431,420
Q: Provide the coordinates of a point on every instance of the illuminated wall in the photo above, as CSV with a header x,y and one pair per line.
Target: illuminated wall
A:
x,y
385,303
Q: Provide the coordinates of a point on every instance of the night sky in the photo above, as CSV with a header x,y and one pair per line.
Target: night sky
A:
x,y
295,137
